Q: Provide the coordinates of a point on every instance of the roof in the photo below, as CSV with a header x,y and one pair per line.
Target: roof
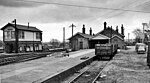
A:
x,y
139,44
112,31
83,35
117,36
100,37
22,27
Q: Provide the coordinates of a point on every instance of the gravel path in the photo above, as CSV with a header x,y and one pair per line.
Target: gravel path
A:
x,y
127,67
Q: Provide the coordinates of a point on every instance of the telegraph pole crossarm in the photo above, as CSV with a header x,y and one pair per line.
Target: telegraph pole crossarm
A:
x,y
72,26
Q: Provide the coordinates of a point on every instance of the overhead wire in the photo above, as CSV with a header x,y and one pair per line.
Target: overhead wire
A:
x,y
132,7
83,6
121,7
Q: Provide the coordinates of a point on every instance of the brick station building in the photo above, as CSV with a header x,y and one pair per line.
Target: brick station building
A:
x,y
107,35
21,38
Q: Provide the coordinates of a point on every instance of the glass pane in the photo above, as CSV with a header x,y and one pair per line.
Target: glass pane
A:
x,y
12,34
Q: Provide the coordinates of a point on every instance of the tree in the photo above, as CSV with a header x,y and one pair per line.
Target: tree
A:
x,y
55,43
139,35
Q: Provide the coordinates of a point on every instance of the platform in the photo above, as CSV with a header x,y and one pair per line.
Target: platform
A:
x,y
127,67
39,69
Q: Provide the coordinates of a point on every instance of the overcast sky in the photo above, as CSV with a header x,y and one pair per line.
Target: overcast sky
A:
x,y
51,18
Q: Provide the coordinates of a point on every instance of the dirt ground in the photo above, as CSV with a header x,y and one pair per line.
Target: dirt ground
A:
x,y
127,67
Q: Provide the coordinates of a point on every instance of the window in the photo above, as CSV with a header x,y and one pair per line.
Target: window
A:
x,y
21,34
12,34
37,35
7,34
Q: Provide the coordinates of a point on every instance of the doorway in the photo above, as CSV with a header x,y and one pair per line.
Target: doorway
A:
x,y
81,45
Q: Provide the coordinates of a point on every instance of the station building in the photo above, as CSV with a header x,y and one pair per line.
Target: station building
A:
x,y
80,40
107,35
21,38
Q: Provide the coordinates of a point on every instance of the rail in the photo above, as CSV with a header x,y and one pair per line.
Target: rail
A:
x,y
92,73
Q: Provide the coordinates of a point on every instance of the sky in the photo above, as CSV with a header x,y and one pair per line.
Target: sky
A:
x,y
51,18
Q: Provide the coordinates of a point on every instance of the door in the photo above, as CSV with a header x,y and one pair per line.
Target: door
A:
x,y
81,45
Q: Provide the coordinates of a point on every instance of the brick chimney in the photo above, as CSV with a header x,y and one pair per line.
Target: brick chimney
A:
x,y
116,28
122,29
28,24
90,31
105,25
83,29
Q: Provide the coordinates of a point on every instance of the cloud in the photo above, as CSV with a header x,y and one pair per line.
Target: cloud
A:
x,y
51,13
18,3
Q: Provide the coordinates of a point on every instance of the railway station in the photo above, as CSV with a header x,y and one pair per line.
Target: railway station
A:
x,y
75,41
126,65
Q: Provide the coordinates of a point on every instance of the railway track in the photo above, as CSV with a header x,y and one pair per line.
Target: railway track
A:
x,y
90,74
20,58
7,59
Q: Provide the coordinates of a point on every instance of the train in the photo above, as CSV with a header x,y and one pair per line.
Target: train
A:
x,y
105,51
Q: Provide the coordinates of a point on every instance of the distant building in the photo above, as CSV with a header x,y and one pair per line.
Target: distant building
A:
x,y
80,40
107,35
21,38
114,35
98,39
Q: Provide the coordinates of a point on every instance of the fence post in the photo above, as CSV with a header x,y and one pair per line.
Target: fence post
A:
x,y
148,55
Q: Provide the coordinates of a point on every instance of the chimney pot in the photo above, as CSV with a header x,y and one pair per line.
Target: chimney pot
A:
x,y
122,29
116,28
90,31
105,25
28,24
83,29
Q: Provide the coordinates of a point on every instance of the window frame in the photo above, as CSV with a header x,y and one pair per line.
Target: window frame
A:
x,y
12,34
38,35
21,35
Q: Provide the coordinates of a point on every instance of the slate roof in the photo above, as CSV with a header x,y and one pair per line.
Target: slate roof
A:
x,y
22,27
117,36
83,35
100,36
113,31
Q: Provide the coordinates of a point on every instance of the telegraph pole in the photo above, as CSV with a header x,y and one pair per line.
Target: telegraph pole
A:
x,y
128,37
63,37
72,26
143,32
111,35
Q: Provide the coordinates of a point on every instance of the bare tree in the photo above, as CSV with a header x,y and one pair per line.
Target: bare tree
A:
x,y
55,42
139,35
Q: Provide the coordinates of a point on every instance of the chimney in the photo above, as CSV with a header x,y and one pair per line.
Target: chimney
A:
x,y
28,24
116,28
122,29
105,25
83,29
90,31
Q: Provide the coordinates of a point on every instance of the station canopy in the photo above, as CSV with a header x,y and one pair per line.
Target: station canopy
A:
x,y
100,37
